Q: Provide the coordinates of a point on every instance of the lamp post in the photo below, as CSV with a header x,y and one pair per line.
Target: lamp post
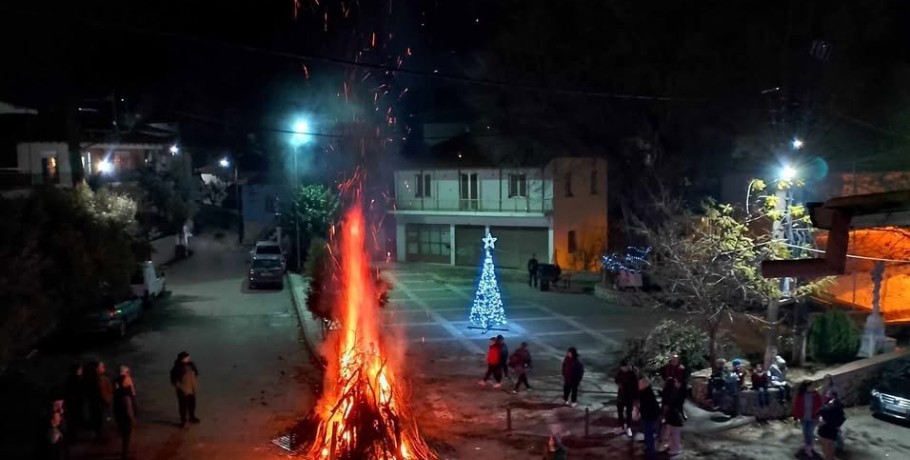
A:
x,y
225,163
301,135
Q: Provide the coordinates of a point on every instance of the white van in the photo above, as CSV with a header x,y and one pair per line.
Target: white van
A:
x,y
147,282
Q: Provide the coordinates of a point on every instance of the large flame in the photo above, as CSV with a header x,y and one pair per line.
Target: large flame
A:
x,y
362,411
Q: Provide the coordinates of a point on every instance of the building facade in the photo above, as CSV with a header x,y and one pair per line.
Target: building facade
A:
x,y
48,162
557,213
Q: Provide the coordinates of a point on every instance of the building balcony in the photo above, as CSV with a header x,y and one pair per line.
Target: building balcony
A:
x,y
522,206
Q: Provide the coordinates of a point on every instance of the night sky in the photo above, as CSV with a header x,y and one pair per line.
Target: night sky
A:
x,y
699,71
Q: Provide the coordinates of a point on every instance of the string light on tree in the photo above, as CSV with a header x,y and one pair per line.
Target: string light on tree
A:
x,y
634,260
487,309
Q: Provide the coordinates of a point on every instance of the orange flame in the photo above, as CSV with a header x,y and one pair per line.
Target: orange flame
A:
x,y
360,381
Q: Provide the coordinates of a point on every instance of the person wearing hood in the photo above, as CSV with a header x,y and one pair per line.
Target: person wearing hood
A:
x,y
832,418
572,372
777,373
185,378
650,416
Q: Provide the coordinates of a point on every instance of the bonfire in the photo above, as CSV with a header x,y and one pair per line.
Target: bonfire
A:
x,y
362,413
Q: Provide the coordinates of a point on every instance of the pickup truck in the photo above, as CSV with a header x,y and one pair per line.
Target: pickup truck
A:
x,y
112,316
147,282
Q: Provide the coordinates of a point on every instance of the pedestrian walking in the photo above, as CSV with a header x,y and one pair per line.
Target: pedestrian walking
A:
x,y
74,399
520,362
124,412
674,418
778,374
674,375
650,417
185,378
572,372
760,385
494,366
626,395
533,265
503,356
806,407
99,393
830,431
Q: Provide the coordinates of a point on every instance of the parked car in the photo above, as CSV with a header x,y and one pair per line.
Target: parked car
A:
x,y
112,316
891,398
147,281
266,270
269,248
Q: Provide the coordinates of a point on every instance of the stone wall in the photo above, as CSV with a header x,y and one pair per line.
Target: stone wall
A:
x,y
852,380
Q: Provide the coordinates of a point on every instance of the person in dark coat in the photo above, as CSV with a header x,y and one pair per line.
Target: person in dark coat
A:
x,y
626,396
74,398
572,372
674,417
503,356
674,376
99,393
650,417
124,412
832,418
533,265
520,362
760,385
53,444
185,378
494,366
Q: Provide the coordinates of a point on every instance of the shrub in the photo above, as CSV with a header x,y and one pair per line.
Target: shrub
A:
x,y
833,338
667,339
317,268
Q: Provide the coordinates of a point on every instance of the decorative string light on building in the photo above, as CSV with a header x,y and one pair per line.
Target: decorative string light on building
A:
x,y
634,260
487,311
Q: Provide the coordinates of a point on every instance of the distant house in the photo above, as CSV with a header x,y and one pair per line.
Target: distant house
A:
x,y
48,162
557,212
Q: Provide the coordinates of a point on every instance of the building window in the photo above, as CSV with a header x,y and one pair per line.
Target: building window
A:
x,y
428,242
594,182
568,181
423,186
573,245
518,185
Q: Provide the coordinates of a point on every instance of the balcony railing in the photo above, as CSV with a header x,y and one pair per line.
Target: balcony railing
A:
x,y
511,205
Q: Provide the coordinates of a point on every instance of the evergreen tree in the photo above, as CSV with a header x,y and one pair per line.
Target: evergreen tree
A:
x,y
487,310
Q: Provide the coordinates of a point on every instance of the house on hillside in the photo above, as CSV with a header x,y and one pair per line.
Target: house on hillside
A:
x,y
557,211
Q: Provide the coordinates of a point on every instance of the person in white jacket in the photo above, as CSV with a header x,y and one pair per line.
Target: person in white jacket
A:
x,y
778,374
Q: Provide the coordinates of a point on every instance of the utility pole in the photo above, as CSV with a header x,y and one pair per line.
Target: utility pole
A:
x,y
297,206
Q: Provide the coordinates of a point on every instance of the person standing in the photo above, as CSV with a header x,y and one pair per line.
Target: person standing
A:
x,y
74,399
494,367
572,372
124,412
503,356
717,384
185,378
806,407
732,383
626,395
533,265
520,362
760,385
650,416
100,393
675,373
832,418
53,441
674,417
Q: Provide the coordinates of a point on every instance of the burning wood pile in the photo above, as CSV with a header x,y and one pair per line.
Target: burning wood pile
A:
x,y
362,413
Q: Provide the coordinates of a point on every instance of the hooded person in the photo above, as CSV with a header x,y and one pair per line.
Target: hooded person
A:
x,y
572,372
777,376
185,379
520,362
503,356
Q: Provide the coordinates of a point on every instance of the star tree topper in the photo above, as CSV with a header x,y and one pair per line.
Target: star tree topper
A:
x,y
489,242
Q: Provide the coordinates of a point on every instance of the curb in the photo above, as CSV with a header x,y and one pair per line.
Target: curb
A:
x,y
308,327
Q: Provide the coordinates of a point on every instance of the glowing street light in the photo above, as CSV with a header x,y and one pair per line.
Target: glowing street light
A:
x,y
224,163
105,167
797,143
174,149
788,173
302,134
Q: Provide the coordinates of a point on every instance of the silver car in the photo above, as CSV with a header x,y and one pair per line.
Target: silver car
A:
x,y
268,248
266,270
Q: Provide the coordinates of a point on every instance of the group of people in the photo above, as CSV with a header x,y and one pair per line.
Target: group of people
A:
x,y
729,379
821,414
500,363
90,398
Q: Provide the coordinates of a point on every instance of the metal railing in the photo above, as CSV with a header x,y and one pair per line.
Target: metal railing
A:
x,y
514,205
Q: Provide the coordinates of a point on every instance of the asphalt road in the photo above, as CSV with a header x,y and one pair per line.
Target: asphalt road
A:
x,y
253,372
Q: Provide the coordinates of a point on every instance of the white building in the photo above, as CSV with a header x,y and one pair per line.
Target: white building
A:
x,y
557,212
48,162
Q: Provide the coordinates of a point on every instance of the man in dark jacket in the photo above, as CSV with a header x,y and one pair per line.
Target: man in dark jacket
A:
x,y
572,372
124,413
185,378
520,362
674,375
650,416
503,355
533,265
627,393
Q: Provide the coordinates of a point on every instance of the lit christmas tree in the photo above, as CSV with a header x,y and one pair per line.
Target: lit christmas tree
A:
x,y
487,310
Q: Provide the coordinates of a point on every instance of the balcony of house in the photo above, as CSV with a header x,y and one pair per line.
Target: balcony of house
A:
x,y
504,206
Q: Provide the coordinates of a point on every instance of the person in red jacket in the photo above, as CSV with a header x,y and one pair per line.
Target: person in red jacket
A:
x,y
572,372
494,364
805,409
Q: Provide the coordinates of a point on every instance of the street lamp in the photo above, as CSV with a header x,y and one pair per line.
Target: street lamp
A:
x,y
225,163
797,143
174,149
105,167
300,136
788,173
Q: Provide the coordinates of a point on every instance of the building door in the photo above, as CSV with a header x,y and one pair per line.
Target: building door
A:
x,y
427,243
468,245
468,191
